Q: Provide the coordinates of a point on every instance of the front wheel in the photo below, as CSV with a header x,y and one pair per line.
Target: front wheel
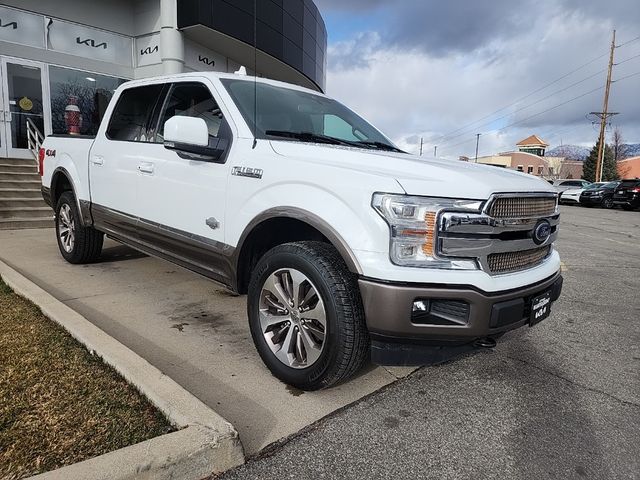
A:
x,y
306,315
77,244
607,203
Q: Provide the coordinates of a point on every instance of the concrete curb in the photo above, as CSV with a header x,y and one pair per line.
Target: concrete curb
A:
x,y
205,444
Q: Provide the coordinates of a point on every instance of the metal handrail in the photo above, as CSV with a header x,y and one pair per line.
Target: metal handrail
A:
x,y
34,138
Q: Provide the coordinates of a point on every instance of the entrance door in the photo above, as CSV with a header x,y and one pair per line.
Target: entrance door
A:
x,y
22,99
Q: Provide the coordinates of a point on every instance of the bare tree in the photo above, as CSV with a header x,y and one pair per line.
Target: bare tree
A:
x,y
618,146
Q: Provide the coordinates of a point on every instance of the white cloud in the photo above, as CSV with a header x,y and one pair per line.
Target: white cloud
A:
x,y
410,92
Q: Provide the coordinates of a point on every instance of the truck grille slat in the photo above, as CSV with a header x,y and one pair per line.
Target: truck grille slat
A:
x,y
522,207
514,232
515,261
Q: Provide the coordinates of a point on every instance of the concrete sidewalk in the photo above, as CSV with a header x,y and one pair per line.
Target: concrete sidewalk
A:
x,y
187,327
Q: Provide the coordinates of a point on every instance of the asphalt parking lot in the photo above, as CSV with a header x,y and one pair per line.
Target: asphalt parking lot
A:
x,y
560,400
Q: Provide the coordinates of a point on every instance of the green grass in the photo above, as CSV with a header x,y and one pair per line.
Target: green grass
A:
x,y
58,403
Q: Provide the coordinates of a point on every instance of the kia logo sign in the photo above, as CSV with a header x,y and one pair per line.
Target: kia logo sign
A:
x,y
90,42
541,232
13,25
149,50
206,61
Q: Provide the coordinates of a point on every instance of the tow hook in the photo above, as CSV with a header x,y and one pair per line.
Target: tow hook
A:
x,y
486,342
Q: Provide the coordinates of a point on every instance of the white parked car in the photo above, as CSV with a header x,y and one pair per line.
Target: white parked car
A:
x,y
571,196
569,184
349,249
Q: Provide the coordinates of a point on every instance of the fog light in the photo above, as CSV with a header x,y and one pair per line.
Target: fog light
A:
x,y
421,306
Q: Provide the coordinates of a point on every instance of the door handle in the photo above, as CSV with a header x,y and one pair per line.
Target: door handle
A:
x,y
97,160
146,167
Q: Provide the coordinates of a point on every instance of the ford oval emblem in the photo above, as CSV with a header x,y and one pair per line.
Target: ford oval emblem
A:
x,y
541,232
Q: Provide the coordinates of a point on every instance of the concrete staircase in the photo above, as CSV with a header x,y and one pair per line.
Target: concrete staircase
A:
x,y
21,203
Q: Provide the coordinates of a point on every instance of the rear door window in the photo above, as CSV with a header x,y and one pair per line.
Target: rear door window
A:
x,y
131,117
629,184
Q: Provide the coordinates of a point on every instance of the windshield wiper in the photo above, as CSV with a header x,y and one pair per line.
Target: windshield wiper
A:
x,y
380,146
310,137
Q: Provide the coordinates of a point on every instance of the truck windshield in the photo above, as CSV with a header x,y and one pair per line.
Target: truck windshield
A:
x,y
284,113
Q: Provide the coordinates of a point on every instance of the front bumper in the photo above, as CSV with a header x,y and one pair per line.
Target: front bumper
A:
x,y
591,200
398,340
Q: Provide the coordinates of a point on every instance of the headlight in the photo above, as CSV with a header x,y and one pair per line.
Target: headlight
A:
x,y
414,230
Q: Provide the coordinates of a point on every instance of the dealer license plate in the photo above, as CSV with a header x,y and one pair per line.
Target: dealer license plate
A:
x,y
540,308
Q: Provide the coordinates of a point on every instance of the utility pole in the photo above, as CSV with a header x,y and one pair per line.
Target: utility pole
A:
x,y
421,144
604,114
477,144
435,151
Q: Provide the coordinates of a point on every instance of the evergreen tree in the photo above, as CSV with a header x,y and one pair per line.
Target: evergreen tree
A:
x,y
610,170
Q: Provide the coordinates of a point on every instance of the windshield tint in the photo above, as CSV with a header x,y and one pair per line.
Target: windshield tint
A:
x,y
283,111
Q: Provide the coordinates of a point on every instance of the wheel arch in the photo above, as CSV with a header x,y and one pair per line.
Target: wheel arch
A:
x,y
282,225
62,181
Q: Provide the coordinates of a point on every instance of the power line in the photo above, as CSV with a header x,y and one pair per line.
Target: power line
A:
x,y
446,135
626,60
627,43
532,104
534,115
626,76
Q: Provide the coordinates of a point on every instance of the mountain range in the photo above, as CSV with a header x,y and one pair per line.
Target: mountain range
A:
x,y
576,152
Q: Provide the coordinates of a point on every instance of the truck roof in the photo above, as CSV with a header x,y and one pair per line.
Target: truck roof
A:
x,y
217,75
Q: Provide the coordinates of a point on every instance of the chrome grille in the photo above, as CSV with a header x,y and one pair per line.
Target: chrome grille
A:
x,y
514,261
522,207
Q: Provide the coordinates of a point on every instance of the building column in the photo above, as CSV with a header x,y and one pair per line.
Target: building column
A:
x,y
171,41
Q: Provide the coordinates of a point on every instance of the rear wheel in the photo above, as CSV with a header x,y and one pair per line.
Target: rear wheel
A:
x,y
77,244
306,315
627,207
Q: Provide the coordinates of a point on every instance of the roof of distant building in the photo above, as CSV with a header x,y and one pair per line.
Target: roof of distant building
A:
x,y
532,140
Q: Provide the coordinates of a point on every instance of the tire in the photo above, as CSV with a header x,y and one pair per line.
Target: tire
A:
x,y
607,203
77,244
627,207
324,354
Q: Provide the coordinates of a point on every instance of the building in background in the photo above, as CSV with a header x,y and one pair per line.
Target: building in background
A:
x,y
61,60
533,144
629,168
530,158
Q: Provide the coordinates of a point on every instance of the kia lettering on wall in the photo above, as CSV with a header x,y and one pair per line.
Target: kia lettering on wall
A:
x,y
348,248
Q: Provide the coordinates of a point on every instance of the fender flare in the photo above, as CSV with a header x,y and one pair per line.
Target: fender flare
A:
x,y
83,206
310,219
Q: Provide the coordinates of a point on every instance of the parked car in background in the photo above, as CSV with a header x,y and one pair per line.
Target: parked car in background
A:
x,y
568,184
627,194
600,193
571,196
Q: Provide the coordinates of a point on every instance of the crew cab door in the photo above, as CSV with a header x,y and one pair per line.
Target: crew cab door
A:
x,y
182,200
121,146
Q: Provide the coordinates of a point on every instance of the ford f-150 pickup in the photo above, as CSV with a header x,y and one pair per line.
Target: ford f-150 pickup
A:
x,y
349,248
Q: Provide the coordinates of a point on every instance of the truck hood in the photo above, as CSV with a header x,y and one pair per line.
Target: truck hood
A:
x,y
418,175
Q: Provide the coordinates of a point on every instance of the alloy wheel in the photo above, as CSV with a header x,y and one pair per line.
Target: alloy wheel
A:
x,y
293,319
66,228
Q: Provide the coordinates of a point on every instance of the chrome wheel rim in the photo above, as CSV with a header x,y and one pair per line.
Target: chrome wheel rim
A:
x,y
293,319
66,228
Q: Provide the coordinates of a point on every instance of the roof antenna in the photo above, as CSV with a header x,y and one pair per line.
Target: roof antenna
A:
x,y
255,74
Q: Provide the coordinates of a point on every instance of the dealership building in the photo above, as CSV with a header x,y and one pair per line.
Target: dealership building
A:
x,y
67,56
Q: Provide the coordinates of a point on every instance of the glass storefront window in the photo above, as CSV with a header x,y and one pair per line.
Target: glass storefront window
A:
x,y
79,100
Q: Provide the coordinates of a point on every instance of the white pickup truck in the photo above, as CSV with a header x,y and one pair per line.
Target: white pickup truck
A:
x,y
349,248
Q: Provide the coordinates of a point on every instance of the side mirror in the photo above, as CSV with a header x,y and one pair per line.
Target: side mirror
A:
x,y
189,137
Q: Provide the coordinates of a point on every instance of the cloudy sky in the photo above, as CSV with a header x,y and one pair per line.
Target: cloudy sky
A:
x,y
446,70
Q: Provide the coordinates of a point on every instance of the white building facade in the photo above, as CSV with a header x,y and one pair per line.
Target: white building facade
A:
x,y
61,60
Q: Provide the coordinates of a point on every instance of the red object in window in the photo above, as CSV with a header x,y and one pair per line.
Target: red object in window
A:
x,y
41,161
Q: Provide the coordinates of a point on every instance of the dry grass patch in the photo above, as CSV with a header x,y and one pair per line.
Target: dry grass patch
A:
x,y
58,403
